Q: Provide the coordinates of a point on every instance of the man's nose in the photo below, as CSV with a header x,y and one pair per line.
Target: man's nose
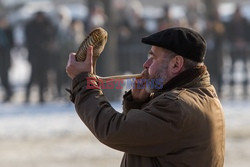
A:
x,y
147,63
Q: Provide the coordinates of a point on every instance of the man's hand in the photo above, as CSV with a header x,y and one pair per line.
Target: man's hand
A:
x,y
74,67
139,92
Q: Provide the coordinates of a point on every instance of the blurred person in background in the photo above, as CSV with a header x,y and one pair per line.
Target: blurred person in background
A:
x,y
195,15
77,29
180,123
124,41
168,19
131,27
64,43
165,21
6,43
39,33
238,36
97,17
214,33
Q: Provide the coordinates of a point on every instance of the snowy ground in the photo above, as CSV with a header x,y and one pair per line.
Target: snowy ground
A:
x,y
49,135
52,135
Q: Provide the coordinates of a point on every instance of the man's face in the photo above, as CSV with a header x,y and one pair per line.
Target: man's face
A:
x,y
157,64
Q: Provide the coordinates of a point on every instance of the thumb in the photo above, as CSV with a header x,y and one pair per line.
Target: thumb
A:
x,y
72,58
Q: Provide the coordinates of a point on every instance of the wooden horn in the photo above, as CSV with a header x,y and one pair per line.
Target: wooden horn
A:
x,y
120,77
98,39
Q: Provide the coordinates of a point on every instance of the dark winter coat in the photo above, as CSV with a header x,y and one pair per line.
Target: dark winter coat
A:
x,y
182,124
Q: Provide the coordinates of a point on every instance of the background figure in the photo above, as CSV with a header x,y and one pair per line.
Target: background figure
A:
x,y
77,30
6,43
97,17
65,43
165,20
130,30
40,33
214,34
238,36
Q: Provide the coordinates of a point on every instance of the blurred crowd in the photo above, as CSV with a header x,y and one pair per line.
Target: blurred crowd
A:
x,y
48,43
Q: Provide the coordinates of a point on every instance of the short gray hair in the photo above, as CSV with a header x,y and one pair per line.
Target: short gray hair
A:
x,y
188,63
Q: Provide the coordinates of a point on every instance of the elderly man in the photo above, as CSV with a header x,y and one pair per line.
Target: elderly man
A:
x,y
180,124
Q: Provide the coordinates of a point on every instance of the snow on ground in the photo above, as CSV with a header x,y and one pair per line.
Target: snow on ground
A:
x,y
53,135
59,118
40,120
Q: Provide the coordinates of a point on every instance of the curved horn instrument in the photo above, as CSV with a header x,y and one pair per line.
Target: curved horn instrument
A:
x,y
98,39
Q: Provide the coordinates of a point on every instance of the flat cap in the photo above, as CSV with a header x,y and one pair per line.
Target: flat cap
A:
x,y
183,41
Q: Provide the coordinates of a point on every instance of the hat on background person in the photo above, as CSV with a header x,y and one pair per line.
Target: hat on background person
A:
x,y
183,41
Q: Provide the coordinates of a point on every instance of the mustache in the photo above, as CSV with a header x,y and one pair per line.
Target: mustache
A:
x,y
145,74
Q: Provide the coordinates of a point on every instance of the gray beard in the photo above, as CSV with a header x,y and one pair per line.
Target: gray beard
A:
x,y
161,74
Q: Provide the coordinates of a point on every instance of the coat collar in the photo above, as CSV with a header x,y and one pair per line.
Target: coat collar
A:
x,y
186,79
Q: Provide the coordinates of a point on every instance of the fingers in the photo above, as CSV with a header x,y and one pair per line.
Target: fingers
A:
x,y
145,74
142,80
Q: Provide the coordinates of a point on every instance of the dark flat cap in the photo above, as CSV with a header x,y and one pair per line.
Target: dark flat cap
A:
x,y
183,41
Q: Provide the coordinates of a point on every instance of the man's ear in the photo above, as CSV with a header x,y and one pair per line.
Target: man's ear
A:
x,y
177,64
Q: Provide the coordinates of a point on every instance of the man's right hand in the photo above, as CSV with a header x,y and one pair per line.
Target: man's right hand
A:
x,y
139,92
74,67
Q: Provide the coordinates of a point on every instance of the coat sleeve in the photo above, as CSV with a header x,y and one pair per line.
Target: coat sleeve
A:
x,y
151,131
